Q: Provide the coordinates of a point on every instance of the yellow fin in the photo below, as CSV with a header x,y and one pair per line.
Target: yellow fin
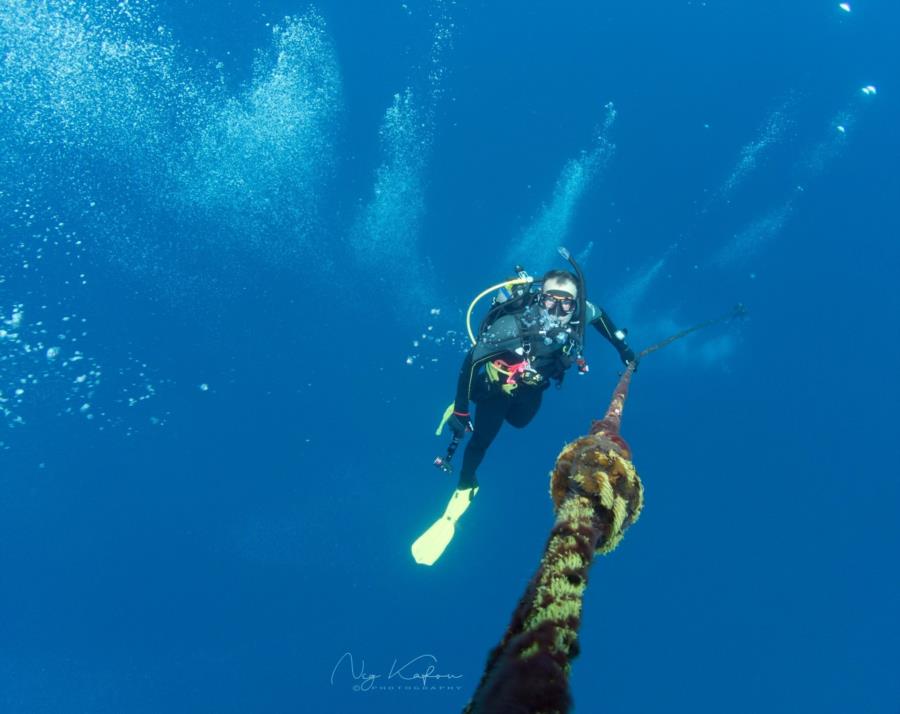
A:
x,y
429,546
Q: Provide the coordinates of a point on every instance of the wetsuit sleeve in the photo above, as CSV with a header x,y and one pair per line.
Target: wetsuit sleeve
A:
x,y
461,402
606,327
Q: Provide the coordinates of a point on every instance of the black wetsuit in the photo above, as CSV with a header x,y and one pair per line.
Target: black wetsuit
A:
x,y
550,351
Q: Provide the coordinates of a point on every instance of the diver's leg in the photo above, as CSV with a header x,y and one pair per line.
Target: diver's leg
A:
x,y
524,406
489,414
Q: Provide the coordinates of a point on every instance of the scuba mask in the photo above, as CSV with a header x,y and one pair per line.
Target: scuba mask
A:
x,y
557,303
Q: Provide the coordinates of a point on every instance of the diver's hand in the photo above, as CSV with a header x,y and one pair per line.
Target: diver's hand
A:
x,y
627,356
459,424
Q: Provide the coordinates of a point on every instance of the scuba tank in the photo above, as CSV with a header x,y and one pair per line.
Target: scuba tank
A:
x,y
510,295
507,290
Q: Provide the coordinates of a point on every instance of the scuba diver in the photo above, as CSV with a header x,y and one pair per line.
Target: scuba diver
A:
x,y
532,334
522,351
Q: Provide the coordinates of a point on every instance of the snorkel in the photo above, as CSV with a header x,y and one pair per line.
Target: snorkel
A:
x,y
582,300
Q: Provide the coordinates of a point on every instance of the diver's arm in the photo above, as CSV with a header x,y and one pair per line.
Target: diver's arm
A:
x,y
461,402
606,327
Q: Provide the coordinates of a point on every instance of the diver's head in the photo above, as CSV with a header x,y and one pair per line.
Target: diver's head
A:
x,y
559,296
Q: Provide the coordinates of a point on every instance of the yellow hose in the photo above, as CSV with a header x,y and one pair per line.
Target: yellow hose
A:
x,y
505,283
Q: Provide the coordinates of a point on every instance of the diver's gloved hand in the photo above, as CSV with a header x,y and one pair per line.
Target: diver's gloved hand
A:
x,y
459,423
627,355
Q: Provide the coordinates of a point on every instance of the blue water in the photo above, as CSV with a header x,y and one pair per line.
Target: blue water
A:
x,y
237,245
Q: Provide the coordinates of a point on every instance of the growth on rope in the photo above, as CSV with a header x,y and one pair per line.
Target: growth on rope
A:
x,y
597,495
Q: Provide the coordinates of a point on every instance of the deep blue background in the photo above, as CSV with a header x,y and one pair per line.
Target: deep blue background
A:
x,y
224,560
